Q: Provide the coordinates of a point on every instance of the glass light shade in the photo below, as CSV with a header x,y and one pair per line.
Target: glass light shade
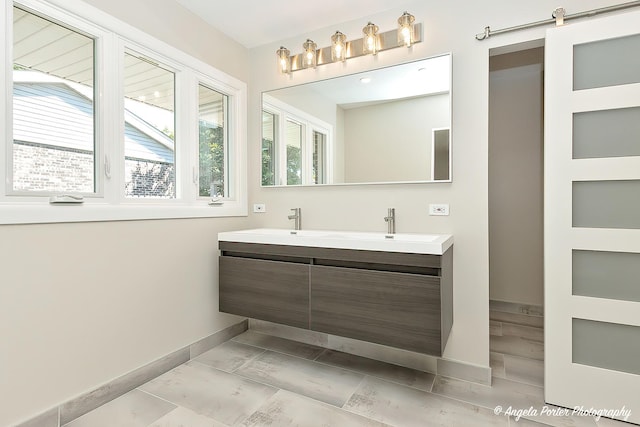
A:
x,y
370,41
338,47
309,54
284,60
405,29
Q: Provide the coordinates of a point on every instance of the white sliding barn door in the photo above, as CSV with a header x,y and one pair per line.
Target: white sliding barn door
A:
x,y
592,215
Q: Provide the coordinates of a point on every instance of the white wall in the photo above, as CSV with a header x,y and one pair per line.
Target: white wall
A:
x,y
84,303
516,177
392,141
449,27
177,26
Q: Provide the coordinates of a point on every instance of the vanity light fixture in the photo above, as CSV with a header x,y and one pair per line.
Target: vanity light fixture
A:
x,y
406,30
309,60
341,49
370,41
284,60
338,47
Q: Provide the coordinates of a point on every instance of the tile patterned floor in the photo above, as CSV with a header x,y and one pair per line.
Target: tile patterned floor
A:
x,y
259,380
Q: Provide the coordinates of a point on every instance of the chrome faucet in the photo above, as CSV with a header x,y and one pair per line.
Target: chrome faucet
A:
x,y
297,216
390,219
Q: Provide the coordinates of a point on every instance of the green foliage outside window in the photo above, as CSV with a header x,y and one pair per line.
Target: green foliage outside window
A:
x,y
268,165
211,152
294,165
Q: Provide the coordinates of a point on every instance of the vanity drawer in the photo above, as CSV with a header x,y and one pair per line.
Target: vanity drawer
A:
x,y
269,290
396,309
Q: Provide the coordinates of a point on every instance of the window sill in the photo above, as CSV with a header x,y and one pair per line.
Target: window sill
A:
x,y
32,213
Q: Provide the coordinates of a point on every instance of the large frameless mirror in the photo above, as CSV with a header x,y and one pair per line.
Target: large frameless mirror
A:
x,y
388,125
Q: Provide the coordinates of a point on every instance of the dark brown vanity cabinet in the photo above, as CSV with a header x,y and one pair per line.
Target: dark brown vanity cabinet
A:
x,y
263,289
397,299
396,309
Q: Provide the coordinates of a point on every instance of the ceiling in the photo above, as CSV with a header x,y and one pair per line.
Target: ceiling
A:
x,y
256,22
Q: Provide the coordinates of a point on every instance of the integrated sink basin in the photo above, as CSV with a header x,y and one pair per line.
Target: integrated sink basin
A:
x,y
434,244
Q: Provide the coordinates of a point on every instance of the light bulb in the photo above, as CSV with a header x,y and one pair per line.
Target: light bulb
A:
x,y
309,54
406,36
284,60
405,29
370,42
338,46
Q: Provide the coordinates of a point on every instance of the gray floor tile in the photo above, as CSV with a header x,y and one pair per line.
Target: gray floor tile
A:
x,y
548,417
207,391
517,346
523,422
528,332
229,356
281,345
325,383
496,361
134,409
407,407
520,319
607,422
495,328
285,409
398,374
502,393
183,417
524,370
511,307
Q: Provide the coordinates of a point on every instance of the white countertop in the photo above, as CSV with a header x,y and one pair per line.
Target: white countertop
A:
x,y
433,244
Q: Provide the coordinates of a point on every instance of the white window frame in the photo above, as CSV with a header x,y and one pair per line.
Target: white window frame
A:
x,y
285,112
109,203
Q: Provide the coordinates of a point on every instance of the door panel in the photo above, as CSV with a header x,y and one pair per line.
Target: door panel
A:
x,y
592,201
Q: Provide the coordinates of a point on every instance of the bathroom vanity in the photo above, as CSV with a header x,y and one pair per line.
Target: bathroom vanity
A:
x,y
394,290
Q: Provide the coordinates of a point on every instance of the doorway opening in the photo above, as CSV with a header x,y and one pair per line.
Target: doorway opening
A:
x,y
516,178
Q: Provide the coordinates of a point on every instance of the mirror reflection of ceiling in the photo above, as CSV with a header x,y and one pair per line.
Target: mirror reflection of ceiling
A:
x,y
427,77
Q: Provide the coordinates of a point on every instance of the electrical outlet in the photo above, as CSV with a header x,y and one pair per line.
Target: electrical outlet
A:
x,y
439,210
259,208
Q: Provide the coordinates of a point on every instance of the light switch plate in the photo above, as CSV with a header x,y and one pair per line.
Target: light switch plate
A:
x,y
259,208
439,209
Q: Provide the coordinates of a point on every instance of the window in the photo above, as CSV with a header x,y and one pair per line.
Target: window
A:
x,y
294,152
149,129
319,157
53,108
213,141
269,123
296,146
117,117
